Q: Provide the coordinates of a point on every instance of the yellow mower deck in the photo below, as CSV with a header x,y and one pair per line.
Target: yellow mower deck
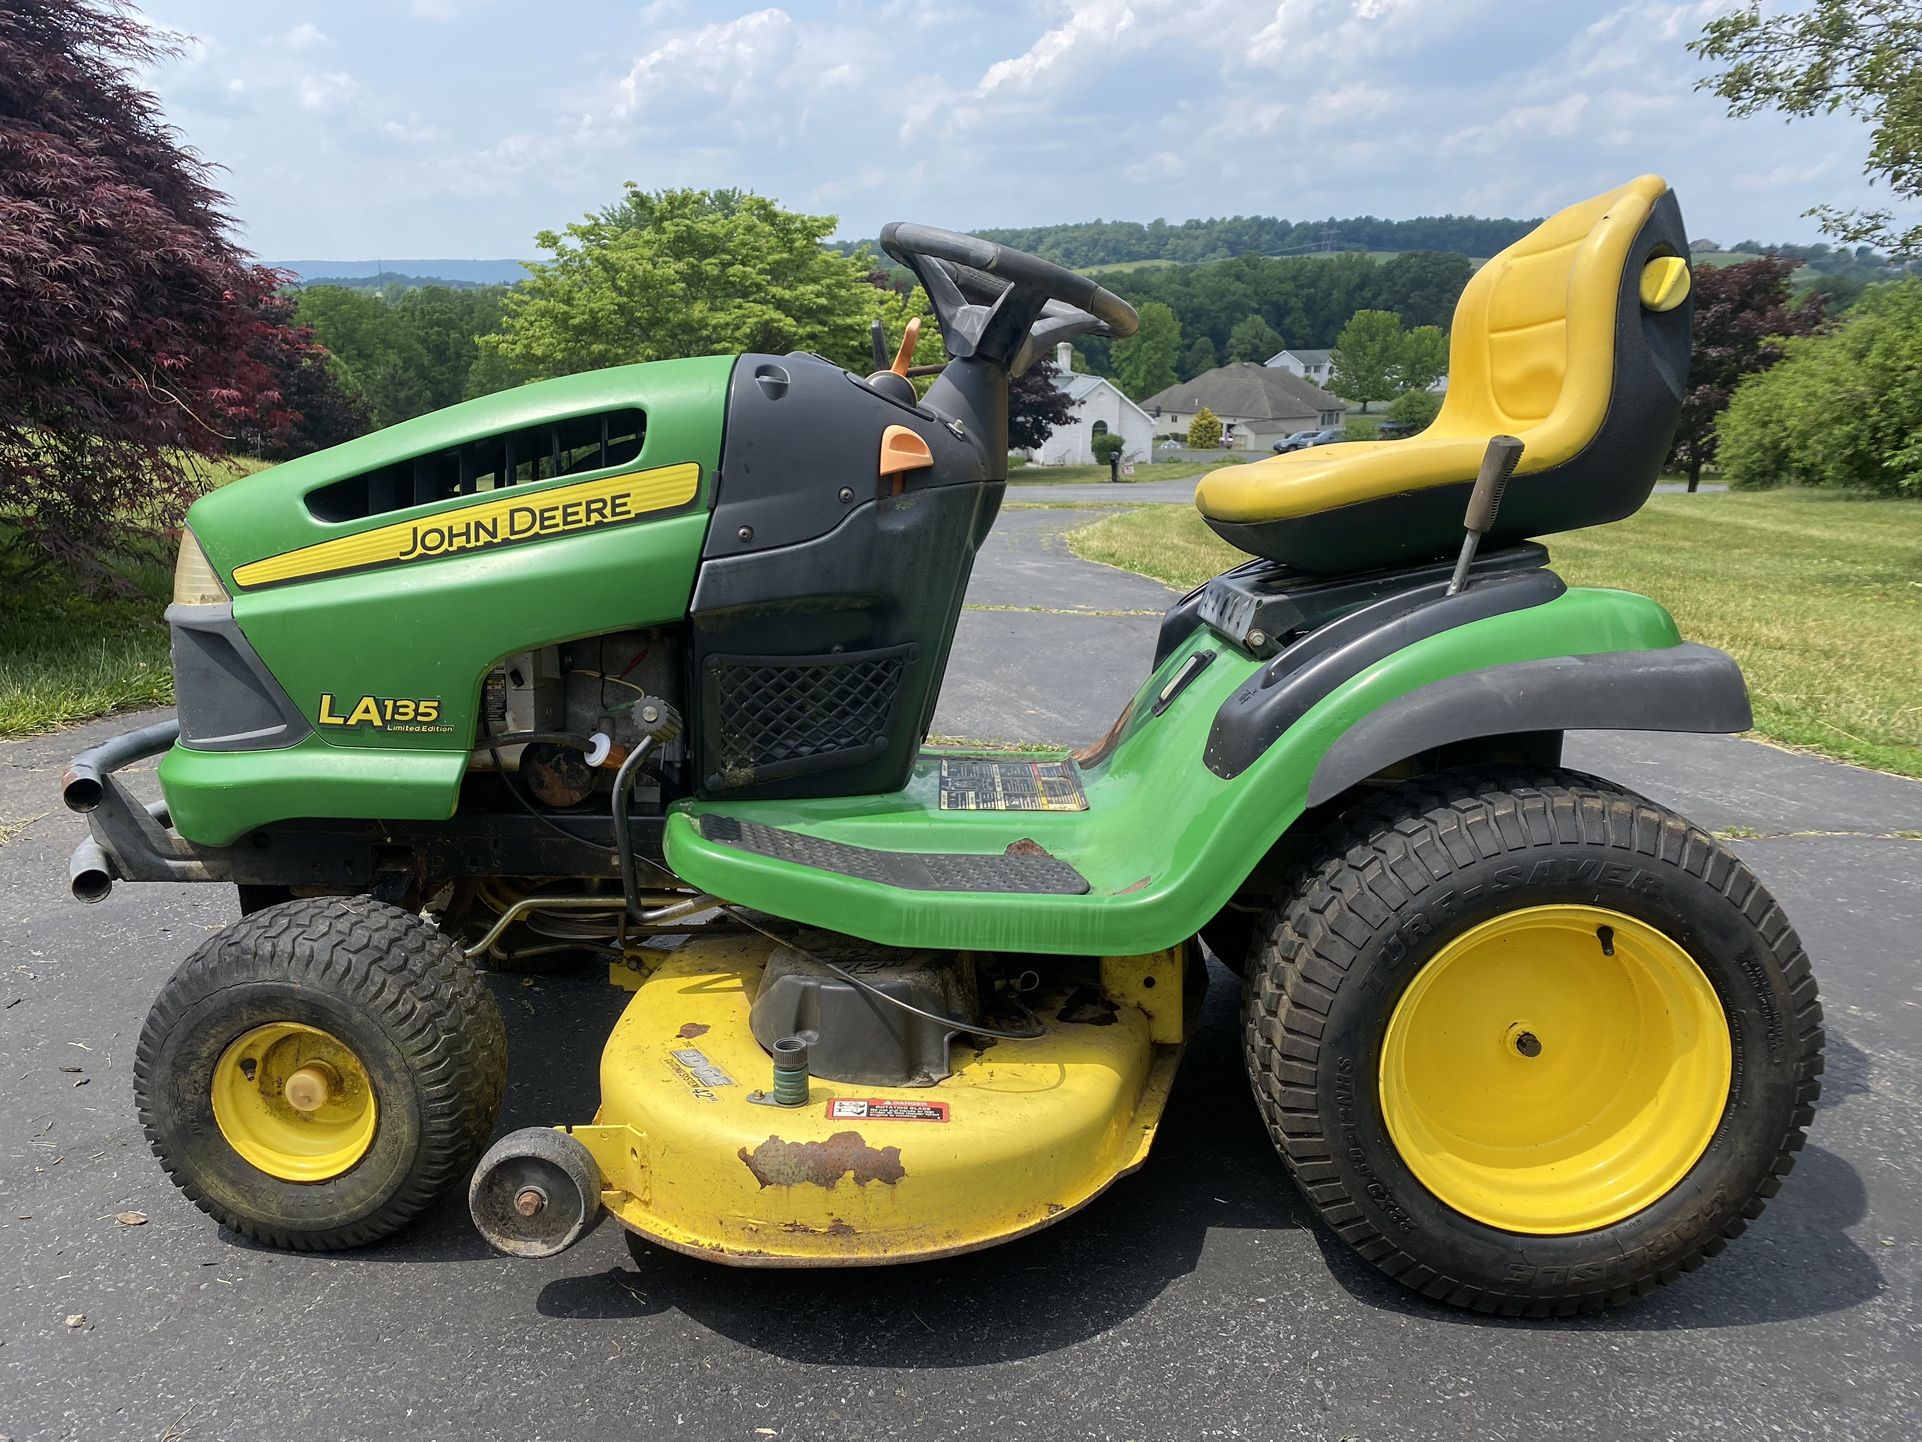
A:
x,y
693,1156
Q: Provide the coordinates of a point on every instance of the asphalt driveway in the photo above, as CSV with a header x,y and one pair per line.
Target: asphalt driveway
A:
x,y
1195,1300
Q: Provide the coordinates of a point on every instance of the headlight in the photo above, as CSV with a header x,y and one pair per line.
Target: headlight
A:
x,y
195,583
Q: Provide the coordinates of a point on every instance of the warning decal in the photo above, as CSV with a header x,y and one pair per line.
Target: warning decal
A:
x,y
879,1109
975,784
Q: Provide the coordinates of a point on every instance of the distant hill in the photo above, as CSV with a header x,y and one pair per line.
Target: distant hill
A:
x,y
405,271
1107,244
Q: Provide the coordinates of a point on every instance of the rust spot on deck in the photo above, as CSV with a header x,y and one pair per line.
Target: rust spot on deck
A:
x,y
692,1029
835,1228
778,1163
1026,846
1135,886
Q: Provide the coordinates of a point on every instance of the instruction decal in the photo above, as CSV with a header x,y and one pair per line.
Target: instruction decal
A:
x,y
880,1109
972,783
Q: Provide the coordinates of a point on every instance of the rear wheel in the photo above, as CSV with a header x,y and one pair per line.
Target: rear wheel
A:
x,y
1531,1046
319,1071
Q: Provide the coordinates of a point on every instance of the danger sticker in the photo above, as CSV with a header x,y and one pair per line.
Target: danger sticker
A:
x,y
877,1109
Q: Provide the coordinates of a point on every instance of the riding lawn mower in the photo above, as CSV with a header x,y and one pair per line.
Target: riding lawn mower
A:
x,y
637,667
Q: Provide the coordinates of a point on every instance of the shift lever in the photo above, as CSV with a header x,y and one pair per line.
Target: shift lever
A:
x,y
1504,453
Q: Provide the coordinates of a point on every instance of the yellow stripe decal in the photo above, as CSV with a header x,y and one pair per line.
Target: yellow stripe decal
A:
x,y
536,515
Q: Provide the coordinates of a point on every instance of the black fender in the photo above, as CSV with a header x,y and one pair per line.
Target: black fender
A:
x,y
1686,687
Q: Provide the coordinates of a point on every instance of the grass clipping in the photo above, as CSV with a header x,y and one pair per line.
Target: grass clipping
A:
x,y
1818,596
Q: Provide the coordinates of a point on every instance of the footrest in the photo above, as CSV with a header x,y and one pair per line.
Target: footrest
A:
x,y
1023,869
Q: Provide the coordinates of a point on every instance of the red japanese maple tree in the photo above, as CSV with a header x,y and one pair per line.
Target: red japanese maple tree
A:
x,y
134,334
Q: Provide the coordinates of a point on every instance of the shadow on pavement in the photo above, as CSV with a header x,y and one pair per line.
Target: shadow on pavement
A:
x,y
1212,1167
1797,1260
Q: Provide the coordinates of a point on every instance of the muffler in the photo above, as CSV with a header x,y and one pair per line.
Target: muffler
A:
x,y
535,1193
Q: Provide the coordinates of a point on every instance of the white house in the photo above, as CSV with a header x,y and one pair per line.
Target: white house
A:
x,y
1099,409
1318,366
1310,365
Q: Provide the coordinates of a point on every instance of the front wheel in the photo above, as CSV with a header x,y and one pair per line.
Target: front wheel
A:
x,y
1531,1046
317,1072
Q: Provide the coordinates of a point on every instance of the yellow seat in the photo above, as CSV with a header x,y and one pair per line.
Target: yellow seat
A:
x,y
1574,339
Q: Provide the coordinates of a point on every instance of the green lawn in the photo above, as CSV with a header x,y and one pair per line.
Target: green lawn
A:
x,y
1144,471
66,656
1818,596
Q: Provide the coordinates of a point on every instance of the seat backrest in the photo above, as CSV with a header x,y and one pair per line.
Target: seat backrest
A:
x,y
1535,332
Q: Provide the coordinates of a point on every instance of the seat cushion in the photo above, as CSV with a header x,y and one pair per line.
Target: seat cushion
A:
x,y
1556,342
1302,483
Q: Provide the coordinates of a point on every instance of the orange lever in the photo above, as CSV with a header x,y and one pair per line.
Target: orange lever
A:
x,y
902,450
904,357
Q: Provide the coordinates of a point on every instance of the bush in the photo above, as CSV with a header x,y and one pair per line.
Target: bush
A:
x,y
1361,428
1841,410
1107,446
1204,431
1415,409
1016,461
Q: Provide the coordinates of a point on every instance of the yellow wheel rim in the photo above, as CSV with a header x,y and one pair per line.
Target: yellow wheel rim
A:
x,y
294,1101
1555,1070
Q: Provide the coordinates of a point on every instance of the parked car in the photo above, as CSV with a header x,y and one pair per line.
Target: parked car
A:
x,y
1302,440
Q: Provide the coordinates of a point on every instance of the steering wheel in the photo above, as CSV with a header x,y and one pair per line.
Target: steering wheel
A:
x,y
1002,305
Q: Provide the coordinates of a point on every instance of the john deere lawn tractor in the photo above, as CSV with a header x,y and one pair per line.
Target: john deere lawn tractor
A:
x,y
636,667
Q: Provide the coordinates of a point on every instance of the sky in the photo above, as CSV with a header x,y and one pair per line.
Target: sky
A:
x,y
459,128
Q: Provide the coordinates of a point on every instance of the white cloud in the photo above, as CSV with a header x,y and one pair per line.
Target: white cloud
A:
x,y
1555,118
968,114
1162,165
326,90
1090,23
730,61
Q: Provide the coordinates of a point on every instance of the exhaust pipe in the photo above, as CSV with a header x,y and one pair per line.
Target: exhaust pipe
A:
x,y
89,872
84,785
535,1193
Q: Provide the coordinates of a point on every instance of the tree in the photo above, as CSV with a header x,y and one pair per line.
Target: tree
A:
x,y
315,410
1198,356
1036,405
408,352
447,325
1859,56
127,325
1422,286
1842,408
1741,314
670,273
377,357
1253,340
1423,359
1367,356
1145,362
1204,431
1415,409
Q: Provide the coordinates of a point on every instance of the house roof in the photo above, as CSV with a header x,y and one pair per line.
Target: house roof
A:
x,y
1078,387
1306,357
1246,391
